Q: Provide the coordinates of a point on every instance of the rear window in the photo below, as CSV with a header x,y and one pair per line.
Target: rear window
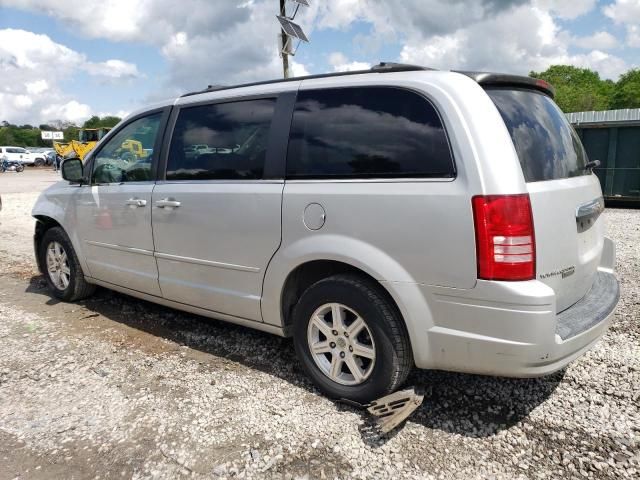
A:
x,y
367,132
547,145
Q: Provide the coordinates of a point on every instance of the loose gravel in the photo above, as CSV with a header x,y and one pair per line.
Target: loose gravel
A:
x,y
114,387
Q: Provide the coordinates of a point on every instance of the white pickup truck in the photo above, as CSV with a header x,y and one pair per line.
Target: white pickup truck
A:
x,y
22,155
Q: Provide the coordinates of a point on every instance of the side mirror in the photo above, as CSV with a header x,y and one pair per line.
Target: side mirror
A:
x,y
72,170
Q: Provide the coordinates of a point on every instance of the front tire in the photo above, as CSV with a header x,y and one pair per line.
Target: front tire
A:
x,y
62,269
350,338
20,168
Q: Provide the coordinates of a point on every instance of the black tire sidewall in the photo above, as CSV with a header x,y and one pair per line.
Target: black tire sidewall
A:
x,y
57,235
381,379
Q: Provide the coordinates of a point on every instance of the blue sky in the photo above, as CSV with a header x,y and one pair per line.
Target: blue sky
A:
x,y
68,59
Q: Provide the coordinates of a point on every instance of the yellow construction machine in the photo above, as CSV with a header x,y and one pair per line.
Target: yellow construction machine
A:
x,y
130,150
87,139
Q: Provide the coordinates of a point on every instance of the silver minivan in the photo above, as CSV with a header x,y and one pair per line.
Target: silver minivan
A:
x,y
384,219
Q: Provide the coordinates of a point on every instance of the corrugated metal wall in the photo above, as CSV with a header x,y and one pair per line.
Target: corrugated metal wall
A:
x,y
613,137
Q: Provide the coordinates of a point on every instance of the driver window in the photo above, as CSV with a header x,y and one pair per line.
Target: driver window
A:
x,y
127,156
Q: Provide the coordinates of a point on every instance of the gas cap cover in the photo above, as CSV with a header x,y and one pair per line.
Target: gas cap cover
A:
x,y
314,216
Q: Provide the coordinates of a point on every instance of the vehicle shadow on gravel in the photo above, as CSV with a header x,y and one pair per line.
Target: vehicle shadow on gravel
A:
x,y
476,405
468,405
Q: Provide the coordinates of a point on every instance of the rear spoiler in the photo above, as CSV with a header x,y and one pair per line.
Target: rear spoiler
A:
x,y
504,80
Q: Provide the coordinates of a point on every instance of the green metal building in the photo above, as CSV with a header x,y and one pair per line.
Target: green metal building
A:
x,y
613,137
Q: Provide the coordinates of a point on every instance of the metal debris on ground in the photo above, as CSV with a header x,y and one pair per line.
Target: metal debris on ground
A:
x,y
391,410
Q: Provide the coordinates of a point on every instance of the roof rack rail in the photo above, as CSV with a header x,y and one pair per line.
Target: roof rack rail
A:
x,y
382,67
397,67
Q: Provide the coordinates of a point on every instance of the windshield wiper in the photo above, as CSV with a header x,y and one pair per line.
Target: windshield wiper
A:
x,y
592,164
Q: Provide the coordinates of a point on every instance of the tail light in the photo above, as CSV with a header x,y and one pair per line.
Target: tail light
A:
x,y
505,241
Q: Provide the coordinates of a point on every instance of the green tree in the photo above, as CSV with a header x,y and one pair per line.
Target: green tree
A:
x,y
70,133
110,121
627,90
6,136
104,122
93,122
578,89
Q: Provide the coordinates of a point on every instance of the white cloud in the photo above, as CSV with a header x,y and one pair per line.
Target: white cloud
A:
x,y
597,41
32,67
626,12
202,41
607,65
340,63
113,69
500,35
37,87
517,40
205,42
567,9
208,42
633,36
298,69
340,14
72,111
22,101
623,11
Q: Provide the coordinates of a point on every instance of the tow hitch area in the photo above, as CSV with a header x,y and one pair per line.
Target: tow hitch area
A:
x,y
392,410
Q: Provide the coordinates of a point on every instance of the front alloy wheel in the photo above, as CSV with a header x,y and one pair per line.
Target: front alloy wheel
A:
x,y
58,266
341,344
61,267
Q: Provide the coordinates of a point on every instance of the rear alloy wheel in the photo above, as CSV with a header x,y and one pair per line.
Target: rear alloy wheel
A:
x,y
39,162
341,344
351,339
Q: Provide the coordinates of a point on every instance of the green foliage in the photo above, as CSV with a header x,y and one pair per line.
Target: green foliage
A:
x,y
30,136
97,122
20,136
627,92
578,89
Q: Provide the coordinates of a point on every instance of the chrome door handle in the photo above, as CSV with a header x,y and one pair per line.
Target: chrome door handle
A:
x,y
136,202
167,202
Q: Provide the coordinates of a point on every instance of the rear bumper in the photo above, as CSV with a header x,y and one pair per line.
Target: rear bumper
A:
x,y
511,328
595,307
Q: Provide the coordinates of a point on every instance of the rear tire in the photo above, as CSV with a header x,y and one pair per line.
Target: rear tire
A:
x,y
61,267
367,336
20,168
39,162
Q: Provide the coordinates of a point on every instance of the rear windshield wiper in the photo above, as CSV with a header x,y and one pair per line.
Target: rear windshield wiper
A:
x,y
592,164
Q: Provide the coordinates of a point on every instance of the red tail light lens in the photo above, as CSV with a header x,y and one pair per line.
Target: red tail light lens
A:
x,y
505,241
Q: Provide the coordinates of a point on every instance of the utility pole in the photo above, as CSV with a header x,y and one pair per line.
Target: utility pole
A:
x,y
285,56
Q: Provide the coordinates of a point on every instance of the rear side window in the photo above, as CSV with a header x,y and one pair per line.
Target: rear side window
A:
x,y
547,145
226,141
367,132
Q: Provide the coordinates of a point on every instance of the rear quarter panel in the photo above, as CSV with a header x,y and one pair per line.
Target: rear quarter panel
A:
x,y
403,231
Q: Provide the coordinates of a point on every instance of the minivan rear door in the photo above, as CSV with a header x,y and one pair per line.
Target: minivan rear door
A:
x,y
566,198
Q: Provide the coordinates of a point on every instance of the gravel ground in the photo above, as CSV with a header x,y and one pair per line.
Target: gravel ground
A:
x,y
113,387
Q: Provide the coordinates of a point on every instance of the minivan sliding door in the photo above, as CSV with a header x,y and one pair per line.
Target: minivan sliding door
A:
x,y
217,215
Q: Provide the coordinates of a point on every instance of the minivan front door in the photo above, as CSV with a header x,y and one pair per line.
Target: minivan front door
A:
x,y
114,212
216,218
